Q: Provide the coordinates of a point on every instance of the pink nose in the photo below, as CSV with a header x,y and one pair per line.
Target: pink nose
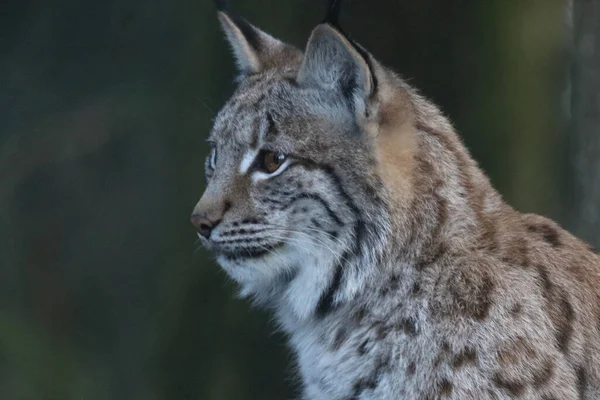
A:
x,y
203,224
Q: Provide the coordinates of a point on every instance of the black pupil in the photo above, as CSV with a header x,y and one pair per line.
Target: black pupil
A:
x,y
269,161
272,161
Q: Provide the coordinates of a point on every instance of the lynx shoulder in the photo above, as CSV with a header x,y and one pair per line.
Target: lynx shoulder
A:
x,y
344,201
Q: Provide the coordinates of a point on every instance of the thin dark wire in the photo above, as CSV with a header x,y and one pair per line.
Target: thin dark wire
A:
x,y
333,12
221,4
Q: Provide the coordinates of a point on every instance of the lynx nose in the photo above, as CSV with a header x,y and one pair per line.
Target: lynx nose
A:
x,y
204,224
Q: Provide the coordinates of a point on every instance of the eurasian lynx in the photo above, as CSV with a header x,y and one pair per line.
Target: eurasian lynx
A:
x,y
345,201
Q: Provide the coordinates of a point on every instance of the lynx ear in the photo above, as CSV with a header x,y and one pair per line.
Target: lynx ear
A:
x,y
332,61
253,49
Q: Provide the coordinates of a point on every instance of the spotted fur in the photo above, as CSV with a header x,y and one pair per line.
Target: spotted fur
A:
x,y
386,255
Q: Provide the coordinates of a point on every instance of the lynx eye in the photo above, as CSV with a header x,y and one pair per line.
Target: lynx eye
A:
x,y
212,160
271,161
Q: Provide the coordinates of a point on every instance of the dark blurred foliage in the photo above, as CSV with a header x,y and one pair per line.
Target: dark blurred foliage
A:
x,y
104,108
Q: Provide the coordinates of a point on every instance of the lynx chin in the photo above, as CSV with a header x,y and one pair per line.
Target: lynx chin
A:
x,y
343,200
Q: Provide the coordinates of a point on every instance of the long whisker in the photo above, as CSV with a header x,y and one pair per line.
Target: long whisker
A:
x,y
311,238
329,235
290,230
334,239
292,240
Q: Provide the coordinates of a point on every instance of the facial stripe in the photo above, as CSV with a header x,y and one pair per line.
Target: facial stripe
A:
x,y
271,128
327,298
256,134
319,199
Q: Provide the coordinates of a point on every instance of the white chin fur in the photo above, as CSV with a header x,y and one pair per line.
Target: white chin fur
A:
x,y
258,276
266,279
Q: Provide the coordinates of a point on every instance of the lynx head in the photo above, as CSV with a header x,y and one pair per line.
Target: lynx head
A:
x,y
297,204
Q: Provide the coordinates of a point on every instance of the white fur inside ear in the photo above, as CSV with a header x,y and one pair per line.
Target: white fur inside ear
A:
x,y
330,58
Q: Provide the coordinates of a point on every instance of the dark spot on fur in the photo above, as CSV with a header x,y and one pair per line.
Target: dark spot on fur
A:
x,y
291,80
445,388
547,285
432,258
517,253
515,350
371,381
340,337
411,368
516,309
381,330
564,326
442,217
361,385
392,285
472,294
382,363
416,289
445,346
548,233
560,310
592,249
488,233
581,382
543,376
407,325
362,348
326,302
359,316
467,356
385,290
514,388
482,305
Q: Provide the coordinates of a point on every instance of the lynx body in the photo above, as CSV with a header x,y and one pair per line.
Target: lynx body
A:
x,y
345,201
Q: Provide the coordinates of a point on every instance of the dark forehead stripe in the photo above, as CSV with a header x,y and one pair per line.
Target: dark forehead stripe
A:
x,y
255,133
271,126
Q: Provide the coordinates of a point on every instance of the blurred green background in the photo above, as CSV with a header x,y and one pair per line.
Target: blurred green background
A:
x,y
104,109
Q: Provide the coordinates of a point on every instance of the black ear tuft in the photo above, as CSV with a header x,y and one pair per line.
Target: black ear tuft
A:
x,y
333,13
221,5
253,49
251,33
333,18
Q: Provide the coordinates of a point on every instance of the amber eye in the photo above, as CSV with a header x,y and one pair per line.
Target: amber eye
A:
x,y
271,161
